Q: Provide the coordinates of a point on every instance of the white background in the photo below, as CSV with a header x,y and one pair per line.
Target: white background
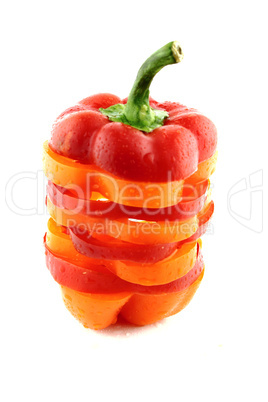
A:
x,y
55,53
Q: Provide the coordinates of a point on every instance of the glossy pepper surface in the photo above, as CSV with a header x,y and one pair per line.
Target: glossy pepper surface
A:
x,y
177,138
129,197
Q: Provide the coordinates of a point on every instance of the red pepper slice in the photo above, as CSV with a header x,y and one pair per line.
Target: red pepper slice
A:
x,y
204,220
193,198
92,281
114,249
128,230
171,268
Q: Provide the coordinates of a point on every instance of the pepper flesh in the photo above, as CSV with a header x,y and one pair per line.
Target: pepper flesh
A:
x,y
168,269
96,279
191,203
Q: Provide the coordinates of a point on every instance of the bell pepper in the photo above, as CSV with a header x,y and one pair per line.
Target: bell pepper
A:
x,y
141,168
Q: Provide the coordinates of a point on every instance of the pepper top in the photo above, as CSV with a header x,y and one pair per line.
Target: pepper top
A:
x,y
137,112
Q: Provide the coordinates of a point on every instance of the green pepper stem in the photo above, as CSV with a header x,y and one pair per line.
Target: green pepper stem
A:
x,y
137,107
137,112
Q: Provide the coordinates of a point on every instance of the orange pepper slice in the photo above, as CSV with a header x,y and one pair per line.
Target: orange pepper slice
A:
x,y
205,170
171,268
100,310
84,179
59,242
129,230
162,272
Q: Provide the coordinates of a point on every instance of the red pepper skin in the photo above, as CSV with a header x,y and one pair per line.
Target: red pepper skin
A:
x,y
142,253
101,280
204,221
202,128
168,153
191,204
116,249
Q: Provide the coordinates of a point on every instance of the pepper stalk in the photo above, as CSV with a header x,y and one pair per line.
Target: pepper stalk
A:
x,y
137,112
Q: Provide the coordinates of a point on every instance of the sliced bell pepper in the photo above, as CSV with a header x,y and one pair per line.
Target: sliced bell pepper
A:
x,y
57,240
171,149
145,305
92,280
148,309
98,311
204,220
82,179
109,248
140,158
167,270
137,232
95,311
192,201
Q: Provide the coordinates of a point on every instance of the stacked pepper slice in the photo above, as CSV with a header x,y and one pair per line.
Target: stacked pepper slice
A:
x,y
128,195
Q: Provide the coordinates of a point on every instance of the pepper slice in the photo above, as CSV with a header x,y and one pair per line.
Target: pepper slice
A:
x,y
57,240
171,268
130,230
204,219
83,179
110,248
107,248
193,198
98,310
91,280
